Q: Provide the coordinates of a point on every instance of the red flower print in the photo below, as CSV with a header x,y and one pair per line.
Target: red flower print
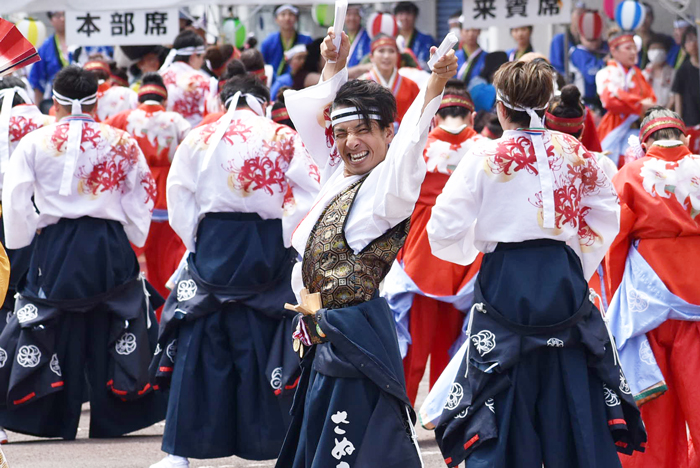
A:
x,y
20,126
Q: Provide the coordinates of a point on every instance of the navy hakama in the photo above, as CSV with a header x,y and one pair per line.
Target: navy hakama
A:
x,y
84,324
225,347
543,383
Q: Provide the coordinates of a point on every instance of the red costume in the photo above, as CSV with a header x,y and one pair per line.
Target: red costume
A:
x,y
660,209
158,134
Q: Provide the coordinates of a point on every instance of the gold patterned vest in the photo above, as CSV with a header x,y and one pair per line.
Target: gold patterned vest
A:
x,y
330,266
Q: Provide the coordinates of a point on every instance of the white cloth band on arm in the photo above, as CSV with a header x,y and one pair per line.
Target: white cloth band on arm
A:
x,y
8,96
75,134
545,172
223,123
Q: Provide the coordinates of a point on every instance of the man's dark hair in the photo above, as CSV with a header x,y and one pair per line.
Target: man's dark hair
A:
x,y
657,112
186,38
663,41
406,7
8,82
280,104
234,68
369,98
75,83
691,31
246,84
252,59
456,87
153,78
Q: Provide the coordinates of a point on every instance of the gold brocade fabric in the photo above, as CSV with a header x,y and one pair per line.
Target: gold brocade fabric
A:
x,y
3,461
330,266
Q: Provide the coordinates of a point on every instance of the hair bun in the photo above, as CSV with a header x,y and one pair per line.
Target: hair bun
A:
x,y
571,96
152,78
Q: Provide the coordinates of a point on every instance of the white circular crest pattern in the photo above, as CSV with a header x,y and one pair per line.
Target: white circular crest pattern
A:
x,y
186,290
126,344
637,301
455,396
645,353
624,386
55,366
3,357
27,313
611,398
484,341
555,343
171,351
276,378
28,356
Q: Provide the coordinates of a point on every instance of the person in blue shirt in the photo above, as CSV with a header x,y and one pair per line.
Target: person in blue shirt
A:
x,y
521,35
676,54
419,43
360,41
54,56
276,44
470,56
586,60
558,46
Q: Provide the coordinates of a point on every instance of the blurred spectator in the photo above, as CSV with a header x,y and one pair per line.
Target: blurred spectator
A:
x,y
454,23
647,34
295,59
481,88
686,85
305,68
217,57
254,63
419,43
558,46
658,72
54,56
145,59
586,60
470,56
276,44
521,36
676,54
359,39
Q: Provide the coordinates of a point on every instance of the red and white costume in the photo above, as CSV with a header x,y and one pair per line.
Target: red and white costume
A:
x,y
404,89
427,294
158,134
114,100
660,216
110,180
187,91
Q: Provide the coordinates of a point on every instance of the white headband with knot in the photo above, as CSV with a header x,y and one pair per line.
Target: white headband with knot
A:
x,y
75,135
223,123
346,114
545,172
185,51
8,96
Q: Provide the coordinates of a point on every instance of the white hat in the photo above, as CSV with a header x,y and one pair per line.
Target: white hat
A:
x,y
297,49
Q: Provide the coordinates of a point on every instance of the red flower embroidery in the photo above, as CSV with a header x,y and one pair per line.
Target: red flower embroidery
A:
x,y
236,129
20,126
330,139
107,175
513,155
149,185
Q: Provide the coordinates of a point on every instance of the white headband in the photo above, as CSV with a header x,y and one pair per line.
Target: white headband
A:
x,y
75,135
681,23
345,114
287,7
297,49
185,51
223,123
545,172
8,96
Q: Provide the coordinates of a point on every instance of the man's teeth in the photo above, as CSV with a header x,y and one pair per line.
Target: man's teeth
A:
x,y
358,156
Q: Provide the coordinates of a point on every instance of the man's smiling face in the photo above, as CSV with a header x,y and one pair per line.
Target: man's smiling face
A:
x,y
360,146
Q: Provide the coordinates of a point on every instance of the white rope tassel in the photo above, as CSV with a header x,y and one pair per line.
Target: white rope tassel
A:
x,y
592,296
224,122
142,277
75,135
8,96
414,436
545,172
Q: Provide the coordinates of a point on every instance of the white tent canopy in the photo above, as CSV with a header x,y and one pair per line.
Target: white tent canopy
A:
x,y
13,6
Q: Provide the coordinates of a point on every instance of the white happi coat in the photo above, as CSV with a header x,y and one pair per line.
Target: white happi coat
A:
x,y
259,166
111,180
495,195
187,91
387,196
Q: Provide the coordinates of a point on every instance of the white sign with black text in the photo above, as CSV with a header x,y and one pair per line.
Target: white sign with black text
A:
x,y
132,27
514,13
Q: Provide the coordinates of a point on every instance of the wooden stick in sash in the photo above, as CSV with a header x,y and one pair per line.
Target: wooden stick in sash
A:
x,y
341,7
447,44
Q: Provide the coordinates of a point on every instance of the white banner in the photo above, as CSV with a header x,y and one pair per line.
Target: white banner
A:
x,y
122,27
514,13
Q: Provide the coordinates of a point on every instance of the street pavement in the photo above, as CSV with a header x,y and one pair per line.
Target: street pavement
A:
x,y
142,448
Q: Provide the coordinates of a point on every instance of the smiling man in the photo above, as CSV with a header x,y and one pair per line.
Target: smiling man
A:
x,y
353,407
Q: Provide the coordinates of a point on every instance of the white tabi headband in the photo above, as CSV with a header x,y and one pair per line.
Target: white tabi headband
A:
x,y
545,172
223,123
346,114
185,51
75,135
287,7
681,23
8,96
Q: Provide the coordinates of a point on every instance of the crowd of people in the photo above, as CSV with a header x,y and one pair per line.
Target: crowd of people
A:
x,y
266,247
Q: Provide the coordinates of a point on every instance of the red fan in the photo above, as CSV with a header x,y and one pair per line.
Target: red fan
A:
x,y
15,50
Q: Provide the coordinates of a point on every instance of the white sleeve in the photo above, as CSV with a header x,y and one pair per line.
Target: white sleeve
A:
x,y
453,219
306,109
19,216
180,193
183,128
303,179
139,199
